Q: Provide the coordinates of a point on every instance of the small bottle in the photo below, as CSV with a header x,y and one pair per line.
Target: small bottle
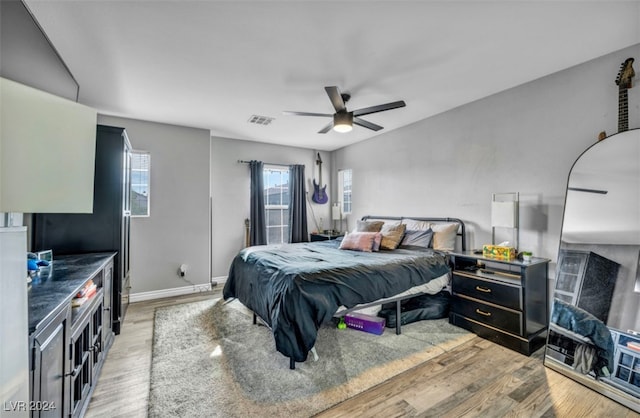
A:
x,y
342,324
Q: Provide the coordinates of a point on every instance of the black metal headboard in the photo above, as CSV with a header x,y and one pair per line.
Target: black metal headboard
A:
x,y
461,229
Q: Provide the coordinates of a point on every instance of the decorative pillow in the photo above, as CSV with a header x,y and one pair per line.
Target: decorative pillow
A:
x,y
392,236
369,226
418,238
358,241
416,225
444,237
377,241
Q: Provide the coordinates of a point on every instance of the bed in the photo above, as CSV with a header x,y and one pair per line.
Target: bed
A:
x,y
592,347
295,288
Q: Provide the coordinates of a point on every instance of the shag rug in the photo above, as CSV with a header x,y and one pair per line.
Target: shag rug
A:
x,y
209,360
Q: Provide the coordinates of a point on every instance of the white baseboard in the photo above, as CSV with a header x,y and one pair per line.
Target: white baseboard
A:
x,y
177,291
220,280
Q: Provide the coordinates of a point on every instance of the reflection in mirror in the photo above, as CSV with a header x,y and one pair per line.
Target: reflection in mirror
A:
x,y
594,329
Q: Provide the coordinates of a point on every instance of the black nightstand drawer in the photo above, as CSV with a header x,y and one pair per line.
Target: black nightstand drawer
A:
x,y
501,294
324,236
506,320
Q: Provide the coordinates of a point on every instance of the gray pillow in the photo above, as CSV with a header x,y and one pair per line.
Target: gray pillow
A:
x,y
369,226
418,238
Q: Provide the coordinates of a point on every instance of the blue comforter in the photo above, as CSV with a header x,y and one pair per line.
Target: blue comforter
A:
x,y
295,288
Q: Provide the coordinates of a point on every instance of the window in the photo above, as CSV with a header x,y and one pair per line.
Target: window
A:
x,y
344,189
276,203
140,164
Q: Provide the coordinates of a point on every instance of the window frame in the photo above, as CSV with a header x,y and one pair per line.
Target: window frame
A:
x,y
345,190
132,185
282,207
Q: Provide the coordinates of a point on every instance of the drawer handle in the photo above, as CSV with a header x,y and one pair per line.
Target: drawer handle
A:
x,y
483,313
483,289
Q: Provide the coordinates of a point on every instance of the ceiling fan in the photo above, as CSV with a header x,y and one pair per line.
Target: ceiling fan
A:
x,y
343,120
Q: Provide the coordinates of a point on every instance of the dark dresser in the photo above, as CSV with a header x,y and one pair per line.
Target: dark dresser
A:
x,y
503,301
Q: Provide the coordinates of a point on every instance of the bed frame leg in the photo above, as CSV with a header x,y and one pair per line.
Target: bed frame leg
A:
x,y
398,318
292,363
255,319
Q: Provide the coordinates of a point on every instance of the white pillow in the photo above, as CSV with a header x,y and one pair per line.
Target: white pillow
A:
x,y
444,236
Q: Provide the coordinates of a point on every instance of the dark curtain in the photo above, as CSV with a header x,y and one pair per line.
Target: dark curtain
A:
x,y
297,205
257,229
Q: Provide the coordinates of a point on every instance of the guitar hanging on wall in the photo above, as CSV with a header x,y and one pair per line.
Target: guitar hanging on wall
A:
x,y
624,83
623,80
319,191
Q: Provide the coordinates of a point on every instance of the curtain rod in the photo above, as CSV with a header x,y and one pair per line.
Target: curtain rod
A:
x,y
247,162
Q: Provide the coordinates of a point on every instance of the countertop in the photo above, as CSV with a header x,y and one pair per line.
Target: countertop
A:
x,y
55,286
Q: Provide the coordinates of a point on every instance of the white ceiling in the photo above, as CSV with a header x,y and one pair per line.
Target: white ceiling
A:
x,y
214,64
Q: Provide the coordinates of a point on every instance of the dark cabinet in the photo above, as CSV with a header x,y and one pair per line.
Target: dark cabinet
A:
x,y
72,336
87,353
503,301
107,323
586,280
108,227
80,367
49,367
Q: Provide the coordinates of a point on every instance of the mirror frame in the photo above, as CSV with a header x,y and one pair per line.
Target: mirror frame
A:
x,y
598,384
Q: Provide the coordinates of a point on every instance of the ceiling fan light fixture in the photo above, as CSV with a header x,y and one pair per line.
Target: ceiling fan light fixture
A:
x,y
343,122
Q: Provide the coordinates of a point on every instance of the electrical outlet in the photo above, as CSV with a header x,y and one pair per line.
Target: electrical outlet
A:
x,y
182,270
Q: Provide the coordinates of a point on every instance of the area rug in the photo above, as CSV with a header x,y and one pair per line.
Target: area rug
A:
x,y
210,360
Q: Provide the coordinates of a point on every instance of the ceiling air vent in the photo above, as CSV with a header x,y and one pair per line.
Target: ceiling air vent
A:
x,y
260,120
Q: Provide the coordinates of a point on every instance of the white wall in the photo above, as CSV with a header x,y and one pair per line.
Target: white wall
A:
x,y
177,232
524,139
230,188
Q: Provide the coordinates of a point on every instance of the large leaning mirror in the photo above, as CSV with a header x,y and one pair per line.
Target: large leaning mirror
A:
x,y
594,327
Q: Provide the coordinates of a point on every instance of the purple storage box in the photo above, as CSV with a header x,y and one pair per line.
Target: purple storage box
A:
x,y
366,323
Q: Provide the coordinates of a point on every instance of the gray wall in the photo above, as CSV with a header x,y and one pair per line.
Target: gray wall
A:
x,y
27,55
177,232
230,186
524,139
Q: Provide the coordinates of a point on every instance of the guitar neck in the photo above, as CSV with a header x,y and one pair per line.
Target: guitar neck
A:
x,y
623,110
319,164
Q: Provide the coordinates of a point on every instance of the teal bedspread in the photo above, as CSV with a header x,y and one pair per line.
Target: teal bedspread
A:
x,y
295,288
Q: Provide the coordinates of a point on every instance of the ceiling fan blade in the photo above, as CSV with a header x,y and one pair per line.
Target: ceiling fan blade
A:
x,y
367,124
326,128
289,112
336,98
379,108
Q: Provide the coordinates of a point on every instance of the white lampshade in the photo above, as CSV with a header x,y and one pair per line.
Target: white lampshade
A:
x,y
336,212
503,214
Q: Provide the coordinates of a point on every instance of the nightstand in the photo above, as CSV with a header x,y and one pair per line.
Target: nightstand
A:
x,y
325,236
503,301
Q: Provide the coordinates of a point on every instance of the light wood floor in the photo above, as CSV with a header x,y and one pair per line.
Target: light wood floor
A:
x,y
479,378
